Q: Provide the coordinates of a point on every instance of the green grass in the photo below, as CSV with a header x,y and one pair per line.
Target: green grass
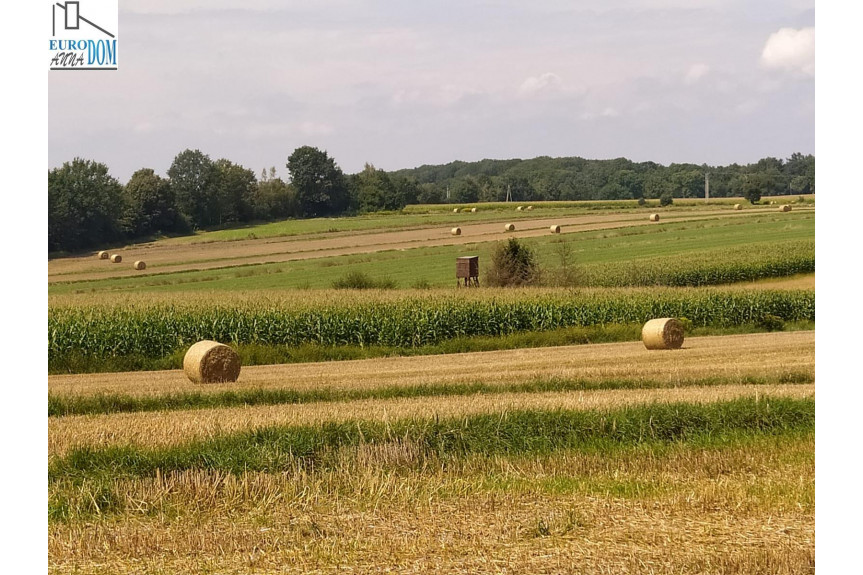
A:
x,y
604,256
283,448
61,405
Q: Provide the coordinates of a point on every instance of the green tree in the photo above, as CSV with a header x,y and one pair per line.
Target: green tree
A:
x,y
513,264
151,205
466,191
85,206
375,191
319,183
273,198
194,183
236,187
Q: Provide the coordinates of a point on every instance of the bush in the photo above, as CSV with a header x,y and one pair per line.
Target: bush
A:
x,y
642,201
666,199
513,264
771,322
361,280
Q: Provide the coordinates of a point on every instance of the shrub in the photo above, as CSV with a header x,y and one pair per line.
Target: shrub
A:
x,y
361,280
666,199
771,322
513,264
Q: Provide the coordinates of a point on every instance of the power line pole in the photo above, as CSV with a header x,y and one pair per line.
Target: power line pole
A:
x,y
706,187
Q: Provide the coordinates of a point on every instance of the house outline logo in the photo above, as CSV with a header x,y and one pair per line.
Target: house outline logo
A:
x,y
83,42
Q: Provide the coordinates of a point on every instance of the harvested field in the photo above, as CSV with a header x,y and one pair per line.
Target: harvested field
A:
x,y
730,357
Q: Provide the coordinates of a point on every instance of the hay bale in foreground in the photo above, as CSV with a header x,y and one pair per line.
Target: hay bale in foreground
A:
x,y
555,229
509,227
103,255
654,217
738,207
140,265
456,231
211,362
662,333
785,208
116,258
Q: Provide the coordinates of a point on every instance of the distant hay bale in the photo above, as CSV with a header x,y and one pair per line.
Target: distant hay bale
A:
x,y
738,207
455,210
509,227
772,202
103,255
654,217
518,209
785,208
529,208
456,231
473,210
140,265
555,229
211,362
662,333
116,258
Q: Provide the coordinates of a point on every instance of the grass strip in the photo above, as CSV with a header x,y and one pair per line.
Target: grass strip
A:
x,y
285,448
62,405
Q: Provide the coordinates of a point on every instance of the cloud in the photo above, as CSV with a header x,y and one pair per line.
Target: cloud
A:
x,y
536,85
695,73
791,50
316,129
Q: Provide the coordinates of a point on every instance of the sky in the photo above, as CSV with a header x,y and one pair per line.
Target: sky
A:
x,y
401,84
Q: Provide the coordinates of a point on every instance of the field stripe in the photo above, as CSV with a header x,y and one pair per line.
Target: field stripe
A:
x,y
163,428
731,358
278,448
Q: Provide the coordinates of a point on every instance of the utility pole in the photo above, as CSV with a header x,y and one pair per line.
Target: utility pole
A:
x,y
706,187
509,192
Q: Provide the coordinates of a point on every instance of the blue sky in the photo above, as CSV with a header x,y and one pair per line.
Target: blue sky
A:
x,y
400,84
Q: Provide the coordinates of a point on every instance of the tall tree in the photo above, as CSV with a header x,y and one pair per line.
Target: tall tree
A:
x,y
236,187
151,205
85,205
319,183
193,181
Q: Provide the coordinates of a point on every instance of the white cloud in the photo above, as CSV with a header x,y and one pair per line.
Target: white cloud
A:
x,y
791,50
544,83
695,73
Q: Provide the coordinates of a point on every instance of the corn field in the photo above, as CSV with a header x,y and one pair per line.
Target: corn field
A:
x,y
158,330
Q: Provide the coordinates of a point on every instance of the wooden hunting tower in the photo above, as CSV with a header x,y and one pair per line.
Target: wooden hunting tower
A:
x,y
467,269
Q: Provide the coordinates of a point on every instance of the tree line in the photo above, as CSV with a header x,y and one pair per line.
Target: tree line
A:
x,y
87,207
574,178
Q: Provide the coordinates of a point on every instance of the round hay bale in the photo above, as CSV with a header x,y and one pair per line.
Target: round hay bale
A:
x,y
456,231
455,210
785,208
140,265
555,229
654,217
473,210
509,227
211,362
103,255
116,258
772,202
518,209
738,206
662,333
529,208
